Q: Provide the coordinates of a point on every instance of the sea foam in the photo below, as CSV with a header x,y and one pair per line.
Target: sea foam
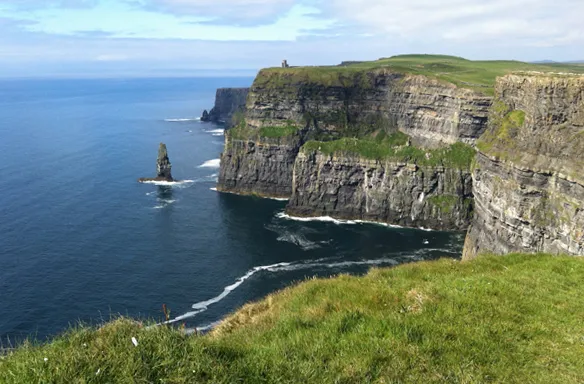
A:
x,y
215,163
182,120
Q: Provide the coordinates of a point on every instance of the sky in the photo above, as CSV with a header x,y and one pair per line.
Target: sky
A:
x,y
95,38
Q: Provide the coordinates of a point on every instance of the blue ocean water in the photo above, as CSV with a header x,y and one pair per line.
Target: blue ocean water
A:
x,y
81,239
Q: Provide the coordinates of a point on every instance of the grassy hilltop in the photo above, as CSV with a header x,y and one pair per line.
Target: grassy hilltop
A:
x,y
512,319
477,75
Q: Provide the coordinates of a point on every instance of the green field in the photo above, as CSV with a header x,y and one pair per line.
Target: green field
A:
x,y
476,75
506,319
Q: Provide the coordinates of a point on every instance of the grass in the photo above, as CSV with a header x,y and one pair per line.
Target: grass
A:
x,y
392,147
283,131
447,203
504,126
511,319
243,132
476,75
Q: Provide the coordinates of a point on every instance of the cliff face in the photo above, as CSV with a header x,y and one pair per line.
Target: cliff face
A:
x,y
261,166
350,187
348,103
228,101
528,182
287,107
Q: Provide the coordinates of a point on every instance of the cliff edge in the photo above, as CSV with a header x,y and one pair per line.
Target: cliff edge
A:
x,y
527,178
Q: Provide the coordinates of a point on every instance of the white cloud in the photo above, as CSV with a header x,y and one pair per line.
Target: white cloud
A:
x,y
112,57
526,22
226,10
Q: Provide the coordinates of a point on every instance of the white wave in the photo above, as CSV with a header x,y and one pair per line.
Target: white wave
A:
x,y
221,131
215,163
204,304
279,267
283,215
168,183
164,203
299,240
182,120
214,189
278,198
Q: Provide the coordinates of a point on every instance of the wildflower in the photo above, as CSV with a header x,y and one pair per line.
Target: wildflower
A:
x,y
98,371
46,359
134,341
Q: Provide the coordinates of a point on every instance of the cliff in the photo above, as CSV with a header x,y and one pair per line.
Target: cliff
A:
x,y
258,166
386,191
228,101
288,107
527,180
344,101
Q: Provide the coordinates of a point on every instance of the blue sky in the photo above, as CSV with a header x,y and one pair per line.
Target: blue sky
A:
x,y
181,37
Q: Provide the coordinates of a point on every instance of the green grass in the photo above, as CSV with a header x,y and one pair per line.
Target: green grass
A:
x,y
287,130
392,147
243,132
504,126
477,75
511,319
447,203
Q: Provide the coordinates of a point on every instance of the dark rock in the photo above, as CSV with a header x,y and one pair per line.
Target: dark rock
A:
x,y
205,116
228,102
163,166
350,187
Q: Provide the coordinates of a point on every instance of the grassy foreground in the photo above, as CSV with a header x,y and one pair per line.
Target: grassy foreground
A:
x,y
512,319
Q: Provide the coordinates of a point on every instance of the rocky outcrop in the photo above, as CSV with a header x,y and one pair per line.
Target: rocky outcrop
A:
x,y
228,102
352,187
336,102
163,166
527,180
339,102
261,166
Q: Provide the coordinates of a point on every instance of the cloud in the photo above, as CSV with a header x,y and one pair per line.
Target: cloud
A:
x,y
227,11
525,22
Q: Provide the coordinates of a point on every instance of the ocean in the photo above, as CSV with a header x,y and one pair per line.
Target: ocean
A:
x,y
82,240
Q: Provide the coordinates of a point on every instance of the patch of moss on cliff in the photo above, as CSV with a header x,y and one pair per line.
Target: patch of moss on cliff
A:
x,y
282,131
395,147
504,126
446,204
243,131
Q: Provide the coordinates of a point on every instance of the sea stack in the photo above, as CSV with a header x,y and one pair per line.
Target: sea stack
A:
x,y
163,166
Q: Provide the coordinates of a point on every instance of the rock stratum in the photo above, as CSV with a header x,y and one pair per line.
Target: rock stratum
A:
x,y
289,108
356,188
389,147
527,178
228,102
